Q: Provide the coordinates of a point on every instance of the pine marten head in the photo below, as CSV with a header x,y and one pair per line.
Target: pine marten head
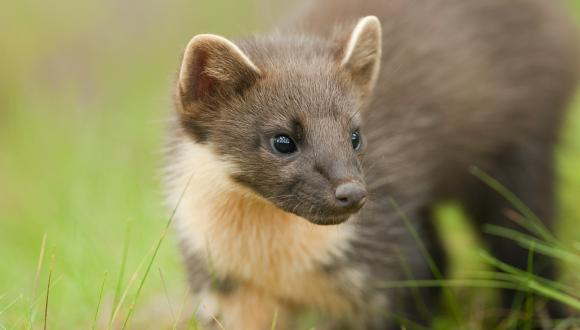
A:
x,y
285,111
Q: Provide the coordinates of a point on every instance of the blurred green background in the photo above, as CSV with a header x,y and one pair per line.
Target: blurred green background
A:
x,y
85,91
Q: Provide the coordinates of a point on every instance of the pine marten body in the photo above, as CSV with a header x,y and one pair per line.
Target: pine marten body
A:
x,y
294,148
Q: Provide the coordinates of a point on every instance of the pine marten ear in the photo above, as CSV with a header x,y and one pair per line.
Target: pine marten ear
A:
x,y
213,67
361,56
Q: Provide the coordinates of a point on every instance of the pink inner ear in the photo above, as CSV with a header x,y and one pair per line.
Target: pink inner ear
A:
x,y
203,83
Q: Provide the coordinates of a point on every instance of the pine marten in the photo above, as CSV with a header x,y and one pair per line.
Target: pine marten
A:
x,y
299,151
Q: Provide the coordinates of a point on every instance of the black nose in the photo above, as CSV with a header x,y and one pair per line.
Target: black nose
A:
x,y
350,194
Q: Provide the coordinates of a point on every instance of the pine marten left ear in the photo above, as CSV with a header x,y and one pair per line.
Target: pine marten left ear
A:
x,y
361,56
213,67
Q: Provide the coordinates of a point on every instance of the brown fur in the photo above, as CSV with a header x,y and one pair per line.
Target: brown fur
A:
x,y
266,239
461,83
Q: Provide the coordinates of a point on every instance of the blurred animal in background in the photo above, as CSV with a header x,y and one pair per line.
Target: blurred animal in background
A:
x,y
301,151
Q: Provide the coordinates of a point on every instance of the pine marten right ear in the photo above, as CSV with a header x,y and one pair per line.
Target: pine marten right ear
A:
x,y
213,68
361,55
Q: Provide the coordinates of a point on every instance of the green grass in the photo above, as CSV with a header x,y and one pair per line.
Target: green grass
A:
x,y
84,92
84,95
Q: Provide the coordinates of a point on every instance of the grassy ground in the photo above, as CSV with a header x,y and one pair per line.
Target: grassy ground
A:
x,y
84,90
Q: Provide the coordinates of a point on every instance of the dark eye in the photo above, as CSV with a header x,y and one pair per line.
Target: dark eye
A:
x,y
283,144
356,140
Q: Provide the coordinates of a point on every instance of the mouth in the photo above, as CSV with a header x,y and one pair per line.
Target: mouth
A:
x,y
333,216
328,218
329,221
323,218
322,215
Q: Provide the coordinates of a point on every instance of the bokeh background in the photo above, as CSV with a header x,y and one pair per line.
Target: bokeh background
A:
x,y
84,95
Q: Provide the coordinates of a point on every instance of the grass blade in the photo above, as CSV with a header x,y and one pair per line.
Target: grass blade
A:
x,y
155,251
275,319
493,284
431,263
10,304
180,311
537,284
527,242
167,297
121,271
39,266
48,292
31,309
129,286
533,223
99,301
